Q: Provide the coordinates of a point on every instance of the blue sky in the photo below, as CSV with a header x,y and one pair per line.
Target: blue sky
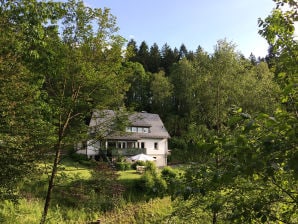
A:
x,y
192,22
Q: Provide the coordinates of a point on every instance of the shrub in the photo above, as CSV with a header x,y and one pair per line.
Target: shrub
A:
x,y
172,179
152,185
160,187
151,167
78,157
122,166
168,173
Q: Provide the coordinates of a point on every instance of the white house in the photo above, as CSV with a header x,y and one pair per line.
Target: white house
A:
x,y
144,133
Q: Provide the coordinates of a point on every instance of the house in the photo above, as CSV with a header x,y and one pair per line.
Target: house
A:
x,y
143,133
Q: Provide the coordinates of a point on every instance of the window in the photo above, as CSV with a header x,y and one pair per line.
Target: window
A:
x,y
130,145
146,130
134,129
121,145
142,145
155,145
128,129
140,130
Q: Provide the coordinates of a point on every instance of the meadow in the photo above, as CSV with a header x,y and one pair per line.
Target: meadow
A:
x,y
72,203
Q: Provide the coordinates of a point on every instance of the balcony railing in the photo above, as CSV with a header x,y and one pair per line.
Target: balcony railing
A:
x,y
127,151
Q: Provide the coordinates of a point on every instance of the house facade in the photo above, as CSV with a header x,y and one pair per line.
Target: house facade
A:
x,y
144,133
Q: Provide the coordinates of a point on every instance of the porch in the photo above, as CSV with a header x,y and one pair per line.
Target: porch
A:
x,y
124,148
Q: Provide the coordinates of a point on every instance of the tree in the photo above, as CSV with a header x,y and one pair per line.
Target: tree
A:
x,y
82,71
154,59
253,59
25,133
138,94
183,52
246,171
143,55
168,58
161,90
184,100
132,50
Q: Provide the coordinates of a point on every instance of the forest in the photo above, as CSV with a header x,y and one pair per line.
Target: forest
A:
x,y
232,120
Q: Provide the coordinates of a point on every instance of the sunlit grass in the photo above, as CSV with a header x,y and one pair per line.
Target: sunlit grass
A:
x,y
153,211
29,212
128,175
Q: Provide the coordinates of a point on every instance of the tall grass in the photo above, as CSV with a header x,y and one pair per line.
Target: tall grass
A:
x,y
29,212
132,207
153,211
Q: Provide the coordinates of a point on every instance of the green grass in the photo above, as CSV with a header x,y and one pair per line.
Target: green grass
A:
x,y
153,211
128,176
29,212
134,208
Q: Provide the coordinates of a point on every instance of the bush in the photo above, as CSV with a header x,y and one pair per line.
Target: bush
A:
x,y
160,187
151,167
168,173
172,178
123,166
148,181
153,185
78,157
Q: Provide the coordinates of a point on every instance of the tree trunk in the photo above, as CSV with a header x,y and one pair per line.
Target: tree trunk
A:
x,y
51,184
214,218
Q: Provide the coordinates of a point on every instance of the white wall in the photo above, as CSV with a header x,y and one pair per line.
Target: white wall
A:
x,y
92,149
160,153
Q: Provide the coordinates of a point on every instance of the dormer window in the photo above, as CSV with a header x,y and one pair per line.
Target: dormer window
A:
x,y
138,129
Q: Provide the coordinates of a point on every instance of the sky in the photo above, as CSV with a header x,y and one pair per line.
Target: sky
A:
x,y
191,22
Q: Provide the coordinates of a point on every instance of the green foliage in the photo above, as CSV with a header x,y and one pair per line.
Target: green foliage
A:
x,y
24,132
245,175
138,163
161,90
151,167
168,173
137,96
151,182
153,186
78,157
123,166
56,81
243,158
245,171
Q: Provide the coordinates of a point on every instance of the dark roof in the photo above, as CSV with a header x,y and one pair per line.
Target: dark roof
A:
x,y
137,119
